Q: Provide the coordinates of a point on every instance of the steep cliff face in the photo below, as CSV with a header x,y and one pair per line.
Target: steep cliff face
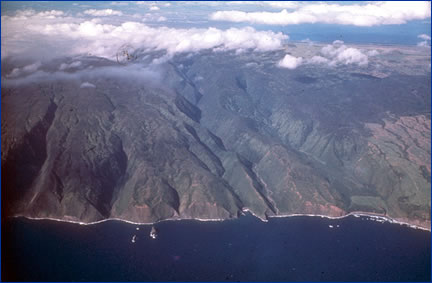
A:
x,y
215,135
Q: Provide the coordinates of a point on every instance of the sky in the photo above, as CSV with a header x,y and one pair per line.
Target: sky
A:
x,y
41,31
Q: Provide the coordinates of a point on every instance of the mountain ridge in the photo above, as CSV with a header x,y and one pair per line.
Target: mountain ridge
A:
x,y
215,137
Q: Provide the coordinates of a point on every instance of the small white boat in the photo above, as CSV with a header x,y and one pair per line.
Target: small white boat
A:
x,y
153,233
134,239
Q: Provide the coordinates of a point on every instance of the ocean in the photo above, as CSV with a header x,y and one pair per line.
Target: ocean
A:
x,y
300,248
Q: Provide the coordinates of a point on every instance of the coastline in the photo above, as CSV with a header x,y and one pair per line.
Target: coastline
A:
x,y
380,218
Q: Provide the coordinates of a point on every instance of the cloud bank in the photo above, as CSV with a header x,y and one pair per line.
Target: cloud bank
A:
x,y
28,69
331,55
148,17
338,53
134,72
424,36
426,40
103,13
35,34
72,65
370,14
290,62
273,4
87,85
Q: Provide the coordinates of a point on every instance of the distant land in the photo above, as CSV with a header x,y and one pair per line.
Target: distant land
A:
x,y
208,135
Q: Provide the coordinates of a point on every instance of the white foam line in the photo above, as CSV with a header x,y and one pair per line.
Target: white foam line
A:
x,y
355,214
358,214
117,219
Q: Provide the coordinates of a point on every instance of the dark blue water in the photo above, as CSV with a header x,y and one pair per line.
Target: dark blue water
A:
x,y
246,249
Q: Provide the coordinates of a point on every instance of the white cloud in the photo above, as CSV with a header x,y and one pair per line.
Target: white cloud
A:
x,y
372,53
251,64
351,56
52,13
103,13
338,42
152,3
45,15
424,36
424,43
290,62
151,17
119,3
25,70
32,68
334,49
36,37
87,85
154,8
273,4
369,14
307,40
426,40
65,66
339,54
15,73
318,60
281,4
132,72
161,19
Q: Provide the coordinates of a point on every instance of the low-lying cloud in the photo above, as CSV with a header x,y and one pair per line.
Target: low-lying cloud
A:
x,y
370,14
424,36
103,13
426,40
338,53
318,60
290,62
134,72
331,55
24,70
36,35
65,66
273,4
372,53
87,85
149,17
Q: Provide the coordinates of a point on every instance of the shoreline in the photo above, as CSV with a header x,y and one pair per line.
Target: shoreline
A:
x,y
382,218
